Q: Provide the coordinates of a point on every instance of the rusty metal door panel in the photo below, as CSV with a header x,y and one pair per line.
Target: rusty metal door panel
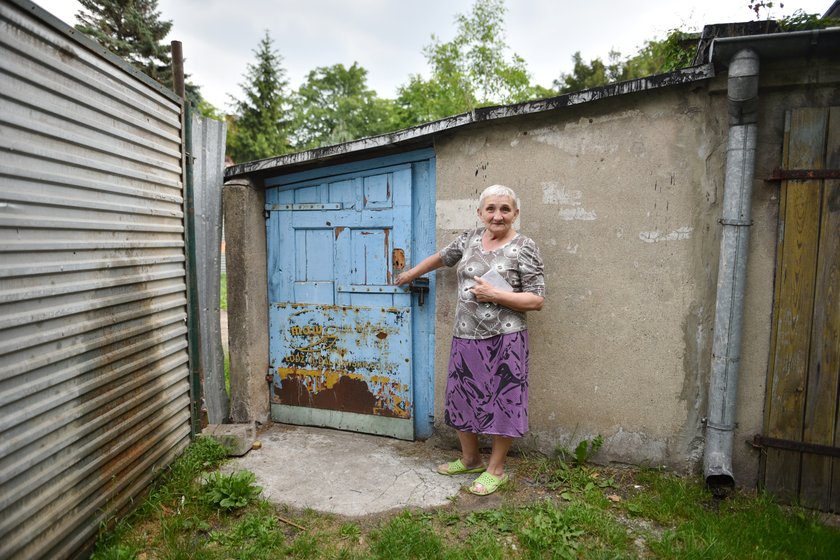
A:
x,y
347,359
803,391
340,333
94,364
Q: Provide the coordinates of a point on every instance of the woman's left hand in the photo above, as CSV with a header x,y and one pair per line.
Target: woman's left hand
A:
x,y
483,290
518,301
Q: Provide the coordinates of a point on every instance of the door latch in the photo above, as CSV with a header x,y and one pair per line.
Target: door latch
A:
x,y
420,286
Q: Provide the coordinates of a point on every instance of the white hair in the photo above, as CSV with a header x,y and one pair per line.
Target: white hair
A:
x,y
498,190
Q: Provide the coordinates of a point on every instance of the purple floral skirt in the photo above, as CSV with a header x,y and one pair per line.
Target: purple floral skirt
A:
x,y
487,387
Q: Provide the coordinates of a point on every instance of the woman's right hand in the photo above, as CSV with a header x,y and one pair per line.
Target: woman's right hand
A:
x,y
404,278
430,263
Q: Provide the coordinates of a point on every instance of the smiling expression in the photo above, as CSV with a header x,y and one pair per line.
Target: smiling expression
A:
x,y
498,214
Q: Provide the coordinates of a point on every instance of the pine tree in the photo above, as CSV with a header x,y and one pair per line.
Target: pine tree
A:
x,y
131,29
259,129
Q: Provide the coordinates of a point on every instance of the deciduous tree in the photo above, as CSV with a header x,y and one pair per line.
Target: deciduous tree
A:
x,y
471,70
335,105
655,57
592,74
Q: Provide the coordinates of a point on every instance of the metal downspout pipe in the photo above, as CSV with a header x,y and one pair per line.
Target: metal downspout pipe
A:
x,y
742,97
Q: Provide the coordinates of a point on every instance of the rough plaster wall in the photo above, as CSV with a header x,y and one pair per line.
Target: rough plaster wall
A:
x,y
621,196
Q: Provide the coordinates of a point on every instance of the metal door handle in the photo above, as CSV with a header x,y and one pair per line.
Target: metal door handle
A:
x,y
420,286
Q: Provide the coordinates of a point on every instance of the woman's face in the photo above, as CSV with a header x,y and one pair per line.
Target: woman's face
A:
x,y
498,214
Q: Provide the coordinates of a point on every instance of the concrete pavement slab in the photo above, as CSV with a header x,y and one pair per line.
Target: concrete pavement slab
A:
x,y
347,473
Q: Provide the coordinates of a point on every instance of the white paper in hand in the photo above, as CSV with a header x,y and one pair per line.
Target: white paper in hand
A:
x,y
496,280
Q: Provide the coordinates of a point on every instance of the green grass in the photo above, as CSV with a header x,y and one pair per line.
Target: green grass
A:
x,y
173,507
744,526
556,509
223,307
223,292
227,374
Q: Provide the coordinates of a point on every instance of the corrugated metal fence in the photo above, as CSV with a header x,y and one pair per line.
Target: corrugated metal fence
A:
x,y
94,373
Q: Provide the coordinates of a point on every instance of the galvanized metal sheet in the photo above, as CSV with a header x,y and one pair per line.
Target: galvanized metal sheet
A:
x,y
94,373
208,149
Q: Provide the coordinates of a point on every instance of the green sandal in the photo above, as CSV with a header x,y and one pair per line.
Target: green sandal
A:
x,y
457,467
490,482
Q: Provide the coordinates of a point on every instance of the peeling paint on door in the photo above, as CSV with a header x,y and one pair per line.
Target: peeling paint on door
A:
x,y
398,259
346,358
340,334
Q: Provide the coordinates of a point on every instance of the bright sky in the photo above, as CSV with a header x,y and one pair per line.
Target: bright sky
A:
x,y
387,36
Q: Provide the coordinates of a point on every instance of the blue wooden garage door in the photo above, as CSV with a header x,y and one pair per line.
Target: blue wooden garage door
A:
x,y
344,351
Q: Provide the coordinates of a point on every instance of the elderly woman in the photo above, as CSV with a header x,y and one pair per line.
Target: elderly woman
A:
x,y
500,277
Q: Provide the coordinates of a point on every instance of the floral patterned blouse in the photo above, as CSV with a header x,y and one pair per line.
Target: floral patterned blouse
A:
x,y
518,262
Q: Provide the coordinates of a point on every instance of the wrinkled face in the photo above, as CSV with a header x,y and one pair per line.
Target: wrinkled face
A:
x,y
498,213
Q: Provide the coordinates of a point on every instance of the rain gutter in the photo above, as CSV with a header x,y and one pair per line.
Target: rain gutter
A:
x,y
742,105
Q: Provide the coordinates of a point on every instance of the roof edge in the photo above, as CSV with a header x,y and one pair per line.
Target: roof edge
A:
x,y
424,133
812,42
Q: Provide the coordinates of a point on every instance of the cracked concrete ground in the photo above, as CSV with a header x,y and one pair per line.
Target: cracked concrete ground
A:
x,y
347,473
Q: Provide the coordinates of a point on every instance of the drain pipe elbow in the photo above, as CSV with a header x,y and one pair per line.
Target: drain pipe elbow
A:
x,y
742,95
742,88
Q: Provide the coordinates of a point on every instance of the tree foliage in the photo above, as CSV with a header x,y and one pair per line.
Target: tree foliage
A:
x,y
134,31
260,124
471,70
675,51
799,20
592,74
335,105
131,29
655,57
802,21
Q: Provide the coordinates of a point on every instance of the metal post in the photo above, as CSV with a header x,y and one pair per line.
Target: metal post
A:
x,y
178,68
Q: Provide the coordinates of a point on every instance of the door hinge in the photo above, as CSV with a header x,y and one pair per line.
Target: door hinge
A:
x,y
790,445
803,174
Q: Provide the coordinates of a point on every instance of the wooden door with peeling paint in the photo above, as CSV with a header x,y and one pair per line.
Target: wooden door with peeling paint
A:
x,y
341,334
801,462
